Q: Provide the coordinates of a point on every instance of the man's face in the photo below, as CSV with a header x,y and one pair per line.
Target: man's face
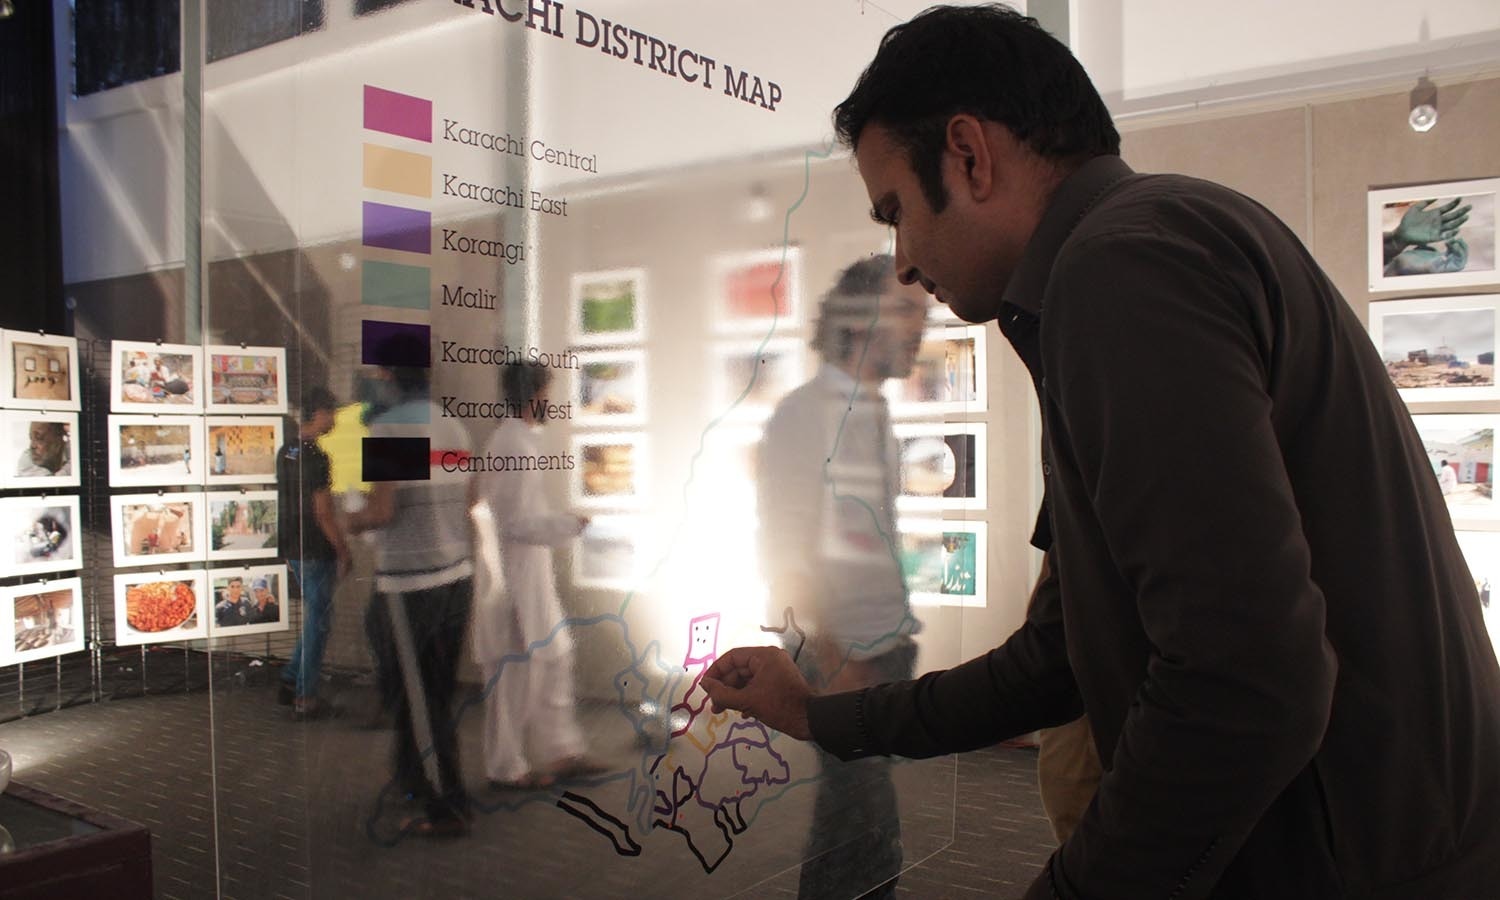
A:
x,y
898,332
963,255
236,588
46,444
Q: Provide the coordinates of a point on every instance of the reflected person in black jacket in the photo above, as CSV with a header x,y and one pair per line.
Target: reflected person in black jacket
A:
x,y
1257,597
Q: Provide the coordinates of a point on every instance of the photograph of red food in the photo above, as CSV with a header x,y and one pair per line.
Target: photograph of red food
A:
x,y
160,605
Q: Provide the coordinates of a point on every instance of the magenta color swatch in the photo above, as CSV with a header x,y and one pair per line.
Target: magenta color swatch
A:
x,y
399,114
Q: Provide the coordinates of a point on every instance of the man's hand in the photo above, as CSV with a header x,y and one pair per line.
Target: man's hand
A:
x,y
1423,223
762,683
1431,261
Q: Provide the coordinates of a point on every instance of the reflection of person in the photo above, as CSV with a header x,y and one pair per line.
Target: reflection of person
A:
x,y
233,607
47,452
517,613
828,479
263,605
1407,249
313,544
1276,640
424,586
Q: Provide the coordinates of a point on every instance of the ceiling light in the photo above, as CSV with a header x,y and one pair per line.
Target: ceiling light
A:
x,y
1424,112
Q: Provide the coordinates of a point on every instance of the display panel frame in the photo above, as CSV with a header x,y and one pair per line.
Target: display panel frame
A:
x,y
221,497
905,395
579,286
975,570
123,505
18,509
977,435
213,429
1477,314
270,571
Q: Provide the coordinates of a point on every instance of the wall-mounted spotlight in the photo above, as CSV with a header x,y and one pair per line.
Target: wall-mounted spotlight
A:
x,y
1424,111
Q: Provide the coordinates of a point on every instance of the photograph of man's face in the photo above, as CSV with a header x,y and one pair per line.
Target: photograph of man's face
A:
x,y
49,445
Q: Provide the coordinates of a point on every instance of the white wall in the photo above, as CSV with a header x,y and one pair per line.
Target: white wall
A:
x,y
1151,55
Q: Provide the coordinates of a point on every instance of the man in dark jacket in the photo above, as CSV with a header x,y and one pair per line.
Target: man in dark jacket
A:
x,y
1258,597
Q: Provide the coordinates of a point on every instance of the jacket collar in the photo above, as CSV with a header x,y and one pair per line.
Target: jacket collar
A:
x,y
1070,202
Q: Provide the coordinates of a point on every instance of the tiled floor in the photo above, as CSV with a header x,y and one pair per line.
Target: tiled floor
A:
x,y
242,804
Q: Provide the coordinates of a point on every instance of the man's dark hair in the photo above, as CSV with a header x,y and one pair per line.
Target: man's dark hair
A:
x,y
990,62
316,399
521,382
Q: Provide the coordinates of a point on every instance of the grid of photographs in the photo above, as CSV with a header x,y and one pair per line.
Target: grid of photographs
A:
x,y
42,531
609,390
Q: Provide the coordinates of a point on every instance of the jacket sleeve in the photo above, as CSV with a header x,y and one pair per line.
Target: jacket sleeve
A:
x,y
1020,686
1157,350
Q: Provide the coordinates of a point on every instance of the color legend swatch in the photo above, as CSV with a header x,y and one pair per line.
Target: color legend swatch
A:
x,y
399,114
393,286
398,171
397,228
396,459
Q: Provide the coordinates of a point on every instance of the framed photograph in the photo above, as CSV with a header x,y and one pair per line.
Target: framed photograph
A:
x,y
758,291
155,451
609,554
40,371
242,450
1433,236
157,529
159,607
41,449
751,376
607,307
41,535
609,388
611,469
247,380
40,620
942,465
944,561
947,377
1461,451
1438,348
248,600
155,378
1482,552
242,524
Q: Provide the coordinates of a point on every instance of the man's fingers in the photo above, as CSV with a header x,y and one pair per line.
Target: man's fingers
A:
x,y
722,695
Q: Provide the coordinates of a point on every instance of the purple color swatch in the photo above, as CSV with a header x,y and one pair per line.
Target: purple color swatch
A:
x,y
395,344
399,114
397,228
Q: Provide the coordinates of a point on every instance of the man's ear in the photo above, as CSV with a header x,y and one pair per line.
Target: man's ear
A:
x,y
967,148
